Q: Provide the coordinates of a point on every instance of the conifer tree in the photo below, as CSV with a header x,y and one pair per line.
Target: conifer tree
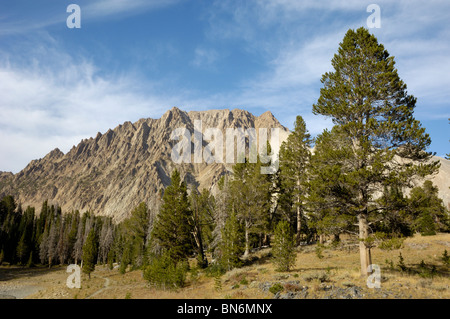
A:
x,y
250,192
365,96
202,205
395,219
232,244
330,190
22,248
25,244
223,204
294,159
78,244
428,212
90,250
72,235
283,249
52,240
173,228
43,246
136,231
106,240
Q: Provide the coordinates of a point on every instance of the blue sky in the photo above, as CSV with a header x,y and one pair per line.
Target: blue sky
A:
x,y
138,58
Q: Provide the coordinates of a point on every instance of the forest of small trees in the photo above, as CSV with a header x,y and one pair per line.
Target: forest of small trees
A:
x,y
350,180
250,211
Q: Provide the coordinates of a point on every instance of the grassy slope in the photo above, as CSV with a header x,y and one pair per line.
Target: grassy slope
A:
x,y
337,270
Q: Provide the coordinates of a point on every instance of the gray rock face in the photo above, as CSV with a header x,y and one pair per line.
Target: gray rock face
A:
x,y
345,293
115,171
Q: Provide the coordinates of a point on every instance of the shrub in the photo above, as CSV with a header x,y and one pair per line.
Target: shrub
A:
x,y
163,272
425,271
320,276
392,243
426,225
215,269
319,250
390,264
445,258
401,263
217,282
244,281
276,288
194,274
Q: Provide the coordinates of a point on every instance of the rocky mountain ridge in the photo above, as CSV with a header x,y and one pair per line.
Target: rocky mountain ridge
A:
x,y
115,171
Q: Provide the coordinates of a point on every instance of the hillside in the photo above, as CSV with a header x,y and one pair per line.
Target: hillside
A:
x,y
335,275
115,171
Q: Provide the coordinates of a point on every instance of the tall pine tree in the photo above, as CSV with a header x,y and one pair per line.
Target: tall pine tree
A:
x,y
294,160
365,96
250,191
90,250
173,228
232,244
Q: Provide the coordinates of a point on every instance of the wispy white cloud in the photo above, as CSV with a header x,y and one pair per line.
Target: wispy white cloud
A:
x,y
415,32
205,57
90,10
43,107
102,8
46,105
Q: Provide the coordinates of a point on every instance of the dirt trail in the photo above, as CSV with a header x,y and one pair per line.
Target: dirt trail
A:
x,y
105,286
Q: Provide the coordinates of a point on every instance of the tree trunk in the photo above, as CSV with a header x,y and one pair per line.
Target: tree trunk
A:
x,y
364,251
336,239
299,225
299,215
247,239
266,239
198,239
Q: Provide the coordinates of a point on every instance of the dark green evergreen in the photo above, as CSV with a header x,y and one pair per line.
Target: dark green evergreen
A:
x,y
135,230
366,98
283,250
294,160
202,205
174,226
428,212
232,245
90,250
162,272
250,196
330,190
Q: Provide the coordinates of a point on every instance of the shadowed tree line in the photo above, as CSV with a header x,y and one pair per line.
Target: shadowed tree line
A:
x,y
354,182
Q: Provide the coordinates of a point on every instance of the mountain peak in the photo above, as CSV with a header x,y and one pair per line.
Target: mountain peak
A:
x,y
114,171
54,154
267,114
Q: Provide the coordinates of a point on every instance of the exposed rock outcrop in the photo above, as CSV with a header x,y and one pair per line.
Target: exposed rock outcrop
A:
x,y
115,171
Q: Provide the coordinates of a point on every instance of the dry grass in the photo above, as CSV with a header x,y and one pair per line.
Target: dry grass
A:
x,y
339,267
